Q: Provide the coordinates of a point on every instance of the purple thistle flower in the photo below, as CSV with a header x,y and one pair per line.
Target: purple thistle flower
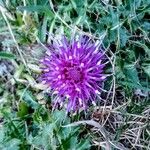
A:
x,y
74,70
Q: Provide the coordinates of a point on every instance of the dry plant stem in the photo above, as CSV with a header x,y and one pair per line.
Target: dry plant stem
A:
x,y
24,13
24,92
97,126
112,86
137,138
114,79
13,37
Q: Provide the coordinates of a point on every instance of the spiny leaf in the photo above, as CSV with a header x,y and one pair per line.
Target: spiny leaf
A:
x,y
37,8
146,49
131,73
23,109
29,99
6,55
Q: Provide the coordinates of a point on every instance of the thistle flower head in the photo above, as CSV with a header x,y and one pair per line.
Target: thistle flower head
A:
x,y
74,71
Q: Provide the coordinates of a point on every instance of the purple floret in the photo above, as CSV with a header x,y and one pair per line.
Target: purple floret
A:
x,y
74,71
